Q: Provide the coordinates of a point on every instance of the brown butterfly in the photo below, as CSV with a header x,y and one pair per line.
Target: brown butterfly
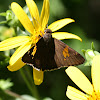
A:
x,y
51,54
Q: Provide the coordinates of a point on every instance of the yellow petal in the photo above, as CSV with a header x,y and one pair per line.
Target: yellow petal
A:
x,y
38,76
23,18
19,53
80,79
34,12
65,35
44,14
96,73
16,66
13,42
59,24
75,94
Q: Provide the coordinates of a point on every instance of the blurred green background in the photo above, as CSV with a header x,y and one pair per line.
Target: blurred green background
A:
x,y
86,14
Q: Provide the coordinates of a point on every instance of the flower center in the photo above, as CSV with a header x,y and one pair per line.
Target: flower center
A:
x,y
94,96
35,38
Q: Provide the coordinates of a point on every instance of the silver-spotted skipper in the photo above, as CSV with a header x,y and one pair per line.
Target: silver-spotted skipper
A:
x,y
51,54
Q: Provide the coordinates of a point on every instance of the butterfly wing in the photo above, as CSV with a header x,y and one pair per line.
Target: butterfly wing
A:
x,y
66,56
52,55
44,56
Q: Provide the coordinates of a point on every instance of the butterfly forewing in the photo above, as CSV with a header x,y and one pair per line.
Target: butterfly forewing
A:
x,y
66,56
28,57
44,56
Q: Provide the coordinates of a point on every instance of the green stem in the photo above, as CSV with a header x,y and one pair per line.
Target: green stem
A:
x,y
26,81
29,75
31,86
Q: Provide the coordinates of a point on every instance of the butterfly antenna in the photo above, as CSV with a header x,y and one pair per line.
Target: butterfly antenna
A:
x,y
47,25
40,25
37,21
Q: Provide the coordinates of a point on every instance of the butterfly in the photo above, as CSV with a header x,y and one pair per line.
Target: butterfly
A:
x,y
51,54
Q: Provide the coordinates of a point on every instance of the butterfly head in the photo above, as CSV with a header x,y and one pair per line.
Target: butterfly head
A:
x,y
48,31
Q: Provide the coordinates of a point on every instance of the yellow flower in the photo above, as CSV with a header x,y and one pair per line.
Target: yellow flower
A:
x,y
35,28
92,91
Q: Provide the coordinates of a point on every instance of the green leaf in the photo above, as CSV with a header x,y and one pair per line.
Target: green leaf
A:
x,y
87,64
3,14
90,54
5,84
9,15
92,46
84,51
3,22
96,53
